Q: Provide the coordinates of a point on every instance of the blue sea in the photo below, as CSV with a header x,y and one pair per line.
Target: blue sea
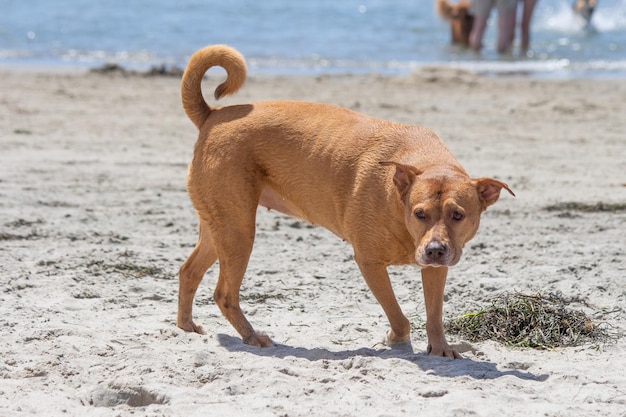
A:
x,y
301,37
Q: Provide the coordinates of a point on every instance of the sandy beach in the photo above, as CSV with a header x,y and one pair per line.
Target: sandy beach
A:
x,y
95,222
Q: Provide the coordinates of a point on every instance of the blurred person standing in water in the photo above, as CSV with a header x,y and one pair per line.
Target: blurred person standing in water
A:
x,y
481,9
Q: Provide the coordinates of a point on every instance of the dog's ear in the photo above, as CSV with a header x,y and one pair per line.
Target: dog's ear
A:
x,y
404,176
489,190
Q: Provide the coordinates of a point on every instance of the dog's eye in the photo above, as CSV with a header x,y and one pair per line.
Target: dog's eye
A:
x,y
457,215
419,213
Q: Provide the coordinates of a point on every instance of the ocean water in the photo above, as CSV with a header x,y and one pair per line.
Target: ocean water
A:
x,y
311,37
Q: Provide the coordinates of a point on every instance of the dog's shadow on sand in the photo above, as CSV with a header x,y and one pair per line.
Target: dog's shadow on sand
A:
x,y
444,367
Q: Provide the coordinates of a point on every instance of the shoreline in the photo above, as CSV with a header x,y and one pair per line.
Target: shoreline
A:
x,y
554,69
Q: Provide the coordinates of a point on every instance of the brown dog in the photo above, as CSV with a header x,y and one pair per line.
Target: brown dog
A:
x,y
393,191
461,21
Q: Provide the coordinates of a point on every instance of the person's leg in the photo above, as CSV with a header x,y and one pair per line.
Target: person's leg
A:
x,y
477,33
480,9
506,24
506,30
514,21
527,13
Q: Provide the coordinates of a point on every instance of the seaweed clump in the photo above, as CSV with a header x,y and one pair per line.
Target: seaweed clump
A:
x,y
534,321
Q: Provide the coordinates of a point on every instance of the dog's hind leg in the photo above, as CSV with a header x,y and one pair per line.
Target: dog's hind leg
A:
x,y
190,275
234,231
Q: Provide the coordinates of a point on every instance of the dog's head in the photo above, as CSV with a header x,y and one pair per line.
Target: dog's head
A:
x,y
442,210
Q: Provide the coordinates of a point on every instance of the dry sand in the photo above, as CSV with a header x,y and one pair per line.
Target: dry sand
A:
x,y
95,222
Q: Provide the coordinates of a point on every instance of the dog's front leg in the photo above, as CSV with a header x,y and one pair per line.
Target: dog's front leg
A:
x,y
433,283
377,280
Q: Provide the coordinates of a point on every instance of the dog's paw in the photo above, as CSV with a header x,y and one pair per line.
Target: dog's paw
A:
x,y
404,347
391,339
190,326
444,350
258,340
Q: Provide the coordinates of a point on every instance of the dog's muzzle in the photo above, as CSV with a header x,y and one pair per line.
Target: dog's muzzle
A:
x,y
436,254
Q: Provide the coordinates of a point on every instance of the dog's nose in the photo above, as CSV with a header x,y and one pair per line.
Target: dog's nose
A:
x,y
436,250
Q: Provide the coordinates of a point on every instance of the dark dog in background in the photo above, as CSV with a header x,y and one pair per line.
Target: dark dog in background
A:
x,y
461,21
584,8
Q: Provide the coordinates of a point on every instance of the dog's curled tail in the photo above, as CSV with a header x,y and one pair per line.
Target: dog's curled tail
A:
x,y
223,56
